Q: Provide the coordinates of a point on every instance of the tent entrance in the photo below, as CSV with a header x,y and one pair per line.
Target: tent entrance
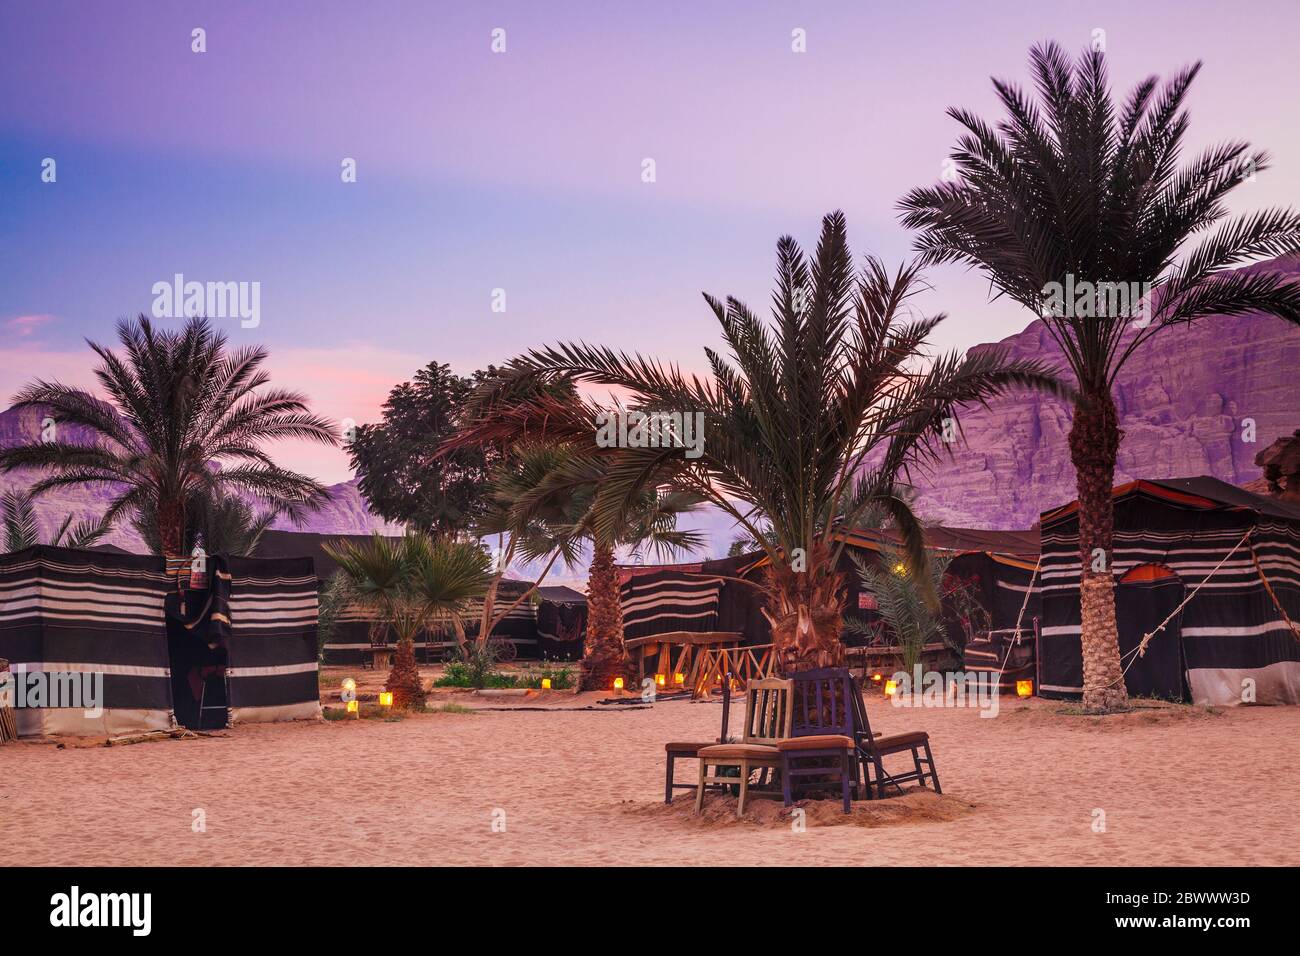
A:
x,y
1144,597
200,698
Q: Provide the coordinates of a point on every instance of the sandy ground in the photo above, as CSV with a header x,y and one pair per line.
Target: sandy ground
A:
x,y
1177,786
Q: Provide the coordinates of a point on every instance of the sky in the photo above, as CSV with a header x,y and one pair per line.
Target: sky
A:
x,y
522,170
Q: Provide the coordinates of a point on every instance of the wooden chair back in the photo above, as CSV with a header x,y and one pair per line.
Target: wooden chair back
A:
x,y
767,711
822,701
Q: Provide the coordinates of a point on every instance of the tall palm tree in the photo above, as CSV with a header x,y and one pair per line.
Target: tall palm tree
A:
x,y
809,424
648,524
185,416
18,515
408,582
1076,188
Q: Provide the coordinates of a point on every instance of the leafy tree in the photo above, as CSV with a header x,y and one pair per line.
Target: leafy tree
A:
x,y
400,472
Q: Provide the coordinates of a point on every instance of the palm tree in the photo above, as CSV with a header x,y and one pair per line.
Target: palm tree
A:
x,y
18,515
409,582
225,524
648,524
1077,190
808,425
184,417
911,620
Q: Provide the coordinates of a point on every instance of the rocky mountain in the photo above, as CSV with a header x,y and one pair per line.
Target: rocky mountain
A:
x,y
344,512
1194,400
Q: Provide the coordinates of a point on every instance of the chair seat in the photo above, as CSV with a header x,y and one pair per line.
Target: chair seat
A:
x,y
737,751
688,747
817,742
911,739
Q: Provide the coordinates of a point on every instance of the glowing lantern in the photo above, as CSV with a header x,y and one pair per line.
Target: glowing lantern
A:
x,y
385,698
354,707
661,679
877,678
1024,688
618,683
679,678
900,568
891,687
546,683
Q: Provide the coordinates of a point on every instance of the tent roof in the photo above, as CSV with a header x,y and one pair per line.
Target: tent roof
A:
x,y
561,594
1199,493
1023,545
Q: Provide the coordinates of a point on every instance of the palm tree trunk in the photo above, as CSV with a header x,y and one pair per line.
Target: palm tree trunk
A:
x,y
1094,442
171,527
404,677
806,611
604,655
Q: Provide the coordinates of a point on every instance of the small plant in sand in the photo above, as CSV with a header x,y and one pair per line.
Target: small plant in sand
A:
x,y
912,620
408,582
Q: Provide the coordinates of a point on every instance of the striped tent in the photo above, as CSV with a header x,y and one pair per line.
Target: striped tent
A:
x,y
1234,559
98,622
350,641
663,601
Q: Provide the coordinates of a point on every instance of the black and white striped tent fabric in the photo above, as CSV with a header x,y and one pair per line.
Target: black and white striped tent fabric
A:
x,y
89,615
1232,641
78,616
274,667
659,602
350,642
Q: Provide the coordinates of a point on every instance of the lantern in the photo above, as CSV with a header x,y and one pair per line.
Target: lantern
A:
x,y
385,698
891,687
354,708
546,683
1024,688
877,678
679,678
618,683
661,680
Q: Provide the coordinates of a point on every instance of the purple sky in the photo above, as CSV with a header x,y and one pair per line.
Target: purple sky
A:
x,y
520,170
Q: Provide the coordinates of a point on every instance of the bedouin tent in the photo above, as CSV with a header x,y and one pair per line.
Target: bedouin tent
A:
x,y
1218,566
561,623
72,618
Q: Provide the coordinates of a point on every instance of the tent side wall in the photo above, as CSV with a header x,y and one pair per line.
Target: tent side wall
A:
x,y
1229,631
84,619
273,672
1234,632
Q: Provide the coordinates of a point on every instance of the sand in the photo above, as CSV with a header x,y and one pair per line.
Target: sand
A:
x,y
1177,786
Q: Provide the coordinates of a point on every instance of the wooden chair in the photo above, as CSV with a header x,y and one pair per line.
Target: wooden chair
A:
x,y
690,749
822,745
872,749
767,722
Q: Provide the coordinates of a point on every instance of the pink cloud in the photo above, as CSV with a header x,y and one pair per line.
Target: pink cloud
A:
x,y
25,325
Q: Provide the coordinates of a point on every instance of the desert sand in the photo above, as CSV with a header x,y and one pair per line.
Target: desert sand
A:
x,y
1177,785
